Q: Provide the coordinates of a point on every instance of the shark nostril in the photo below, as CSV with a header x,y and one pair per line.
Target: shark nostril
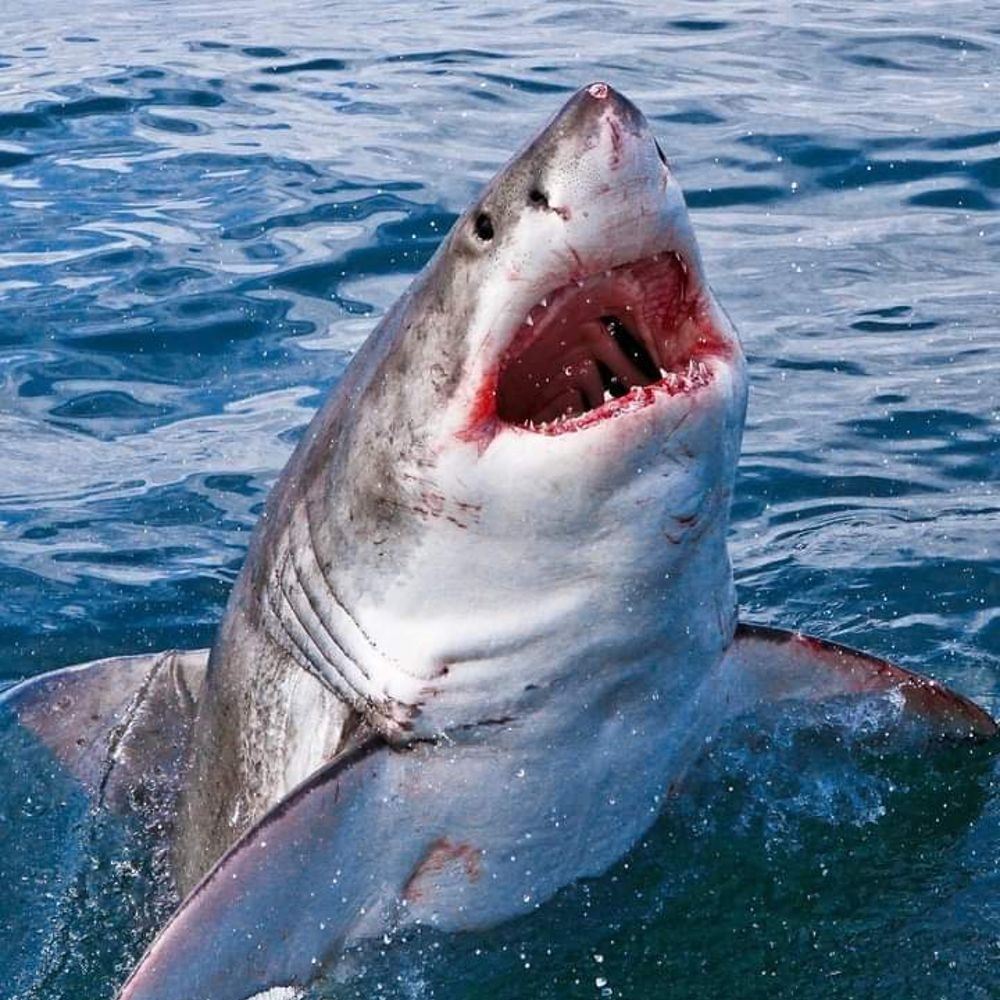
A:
x,y
661,154
538,197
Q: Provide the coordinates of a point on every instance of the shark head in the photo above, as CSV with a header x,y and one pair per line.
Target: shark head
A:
x,y
522,482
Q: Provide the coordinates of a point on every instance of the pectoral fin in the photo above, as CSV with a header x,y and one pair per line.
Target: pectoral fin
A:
x,y
766,664
113,723
281,903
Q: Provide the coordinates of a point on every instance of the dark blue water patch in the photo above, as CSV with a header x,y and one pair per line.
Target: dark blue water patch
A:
x,y
192,341
737,194
968,441
322,281
16,122
264,52
103,405
50,622
343,184
324,65
364,108
446,57
869,61
966,199
967,141
132,560
194,325
51,114
885,325
485,96
757,476
176,126
156,279
526,84
176,504
940,588
138,73
242,485
946,425
987,172
55,115
829,365
906,52
690,116
804,150
402,246
888,312
10,159
690,24
88,107
896,171
328,213
186,97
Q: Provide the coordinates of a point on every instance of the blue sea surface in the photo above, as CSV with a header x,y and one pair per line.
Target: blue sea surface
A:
x,y
206,207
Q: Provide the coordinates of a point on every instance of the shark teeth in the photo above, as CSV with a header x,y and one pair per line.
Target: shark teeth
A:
x,y
694,376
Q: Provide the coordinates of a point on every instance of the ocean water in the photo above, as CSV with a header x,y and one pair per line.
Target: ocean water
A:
x,y
204,209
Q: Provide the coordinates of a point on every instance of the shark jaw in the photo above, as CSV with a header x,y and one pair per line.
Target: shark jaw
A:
x,y
606,345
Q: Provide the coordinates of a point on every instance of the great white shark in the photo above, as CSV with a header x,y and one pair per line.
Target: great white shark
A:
x,y
488,618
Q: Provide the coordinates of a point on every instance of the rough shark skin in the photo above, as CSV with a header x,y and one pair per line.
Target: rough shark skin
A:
x,y
488,618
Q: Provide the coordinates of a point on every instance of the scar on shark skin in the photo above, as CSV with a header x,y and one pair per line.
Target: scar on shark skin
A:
x,y
462,859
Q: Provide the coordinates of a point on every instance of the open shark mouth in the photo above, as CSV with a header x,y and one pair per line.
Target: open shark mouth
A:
x,y
607,344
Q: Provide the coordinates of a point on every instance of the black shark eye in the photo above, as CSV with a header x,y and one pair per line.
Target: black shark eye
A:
x,y
484,227
538,197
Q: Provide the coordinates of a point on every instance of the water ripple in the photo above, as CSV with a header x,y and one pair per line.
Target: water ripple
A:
x,y
206,208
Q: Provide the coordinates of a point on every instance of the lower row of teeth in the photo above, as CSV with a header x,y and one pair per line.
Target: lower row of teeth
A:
x,y
694,376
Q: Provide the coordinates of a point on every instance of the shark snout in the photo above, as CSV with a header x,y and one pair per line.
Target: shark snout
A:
x,y
606,100
597,107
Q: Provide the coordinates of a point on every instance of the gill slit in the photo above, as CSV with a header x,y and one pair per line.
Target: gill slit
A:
x,y
330,654
338,602
355,696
